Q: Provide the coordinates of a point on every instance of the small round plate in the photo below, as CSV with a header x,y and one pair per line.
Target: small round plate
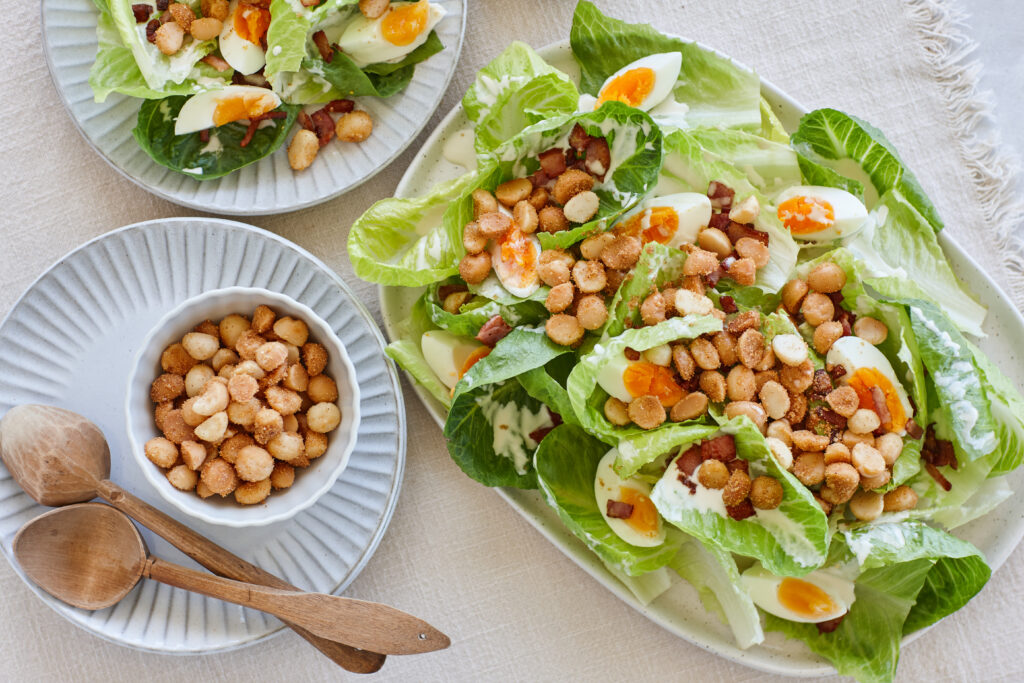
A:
x,y
71,341
270,185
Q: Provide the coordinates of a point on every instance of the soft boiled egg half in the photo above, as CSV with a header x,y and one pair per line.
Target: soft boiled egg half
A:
x,y
217,107
240,39
642,84
819,596
870,374
450,356
817,213
673,220
514,257
626,505
651,375
403,28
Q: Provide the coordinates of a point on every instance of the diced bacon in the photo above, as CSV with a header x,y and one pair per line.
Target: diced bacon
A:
x,y
937,476
204,135
737,231
340,106
254,125
720,195
914,430
738,464
719,221
616,509
884,416
306,122
493,331
323,45
578,138
151,28
689,461
324,126
830,625
631,354
719,448
539,178
598,157
728,304
741,511
538,435
444,290
552,162
216,62
142,12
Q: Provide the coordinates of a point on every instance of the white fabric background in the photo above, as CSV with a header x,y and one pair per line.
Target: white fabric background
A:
x,y
515,607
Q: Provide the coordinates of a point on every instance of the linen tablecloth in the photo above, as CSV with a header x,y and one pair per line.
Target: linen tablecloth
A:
x,y
455,553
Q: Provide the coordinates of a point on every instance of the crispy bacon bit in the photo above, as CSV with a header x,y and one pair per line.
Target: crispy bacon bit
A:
x,y
578,138
254,125
151,28
263,4
712,279
444,290
238,79
310,3
720,221
720,195
216,62
616,509
340,106
719,448
631,353
324,46
937,476
537,435
821,385
737,231
846,320
938,452
728,304
162,5
690,484
141,12
539,178
832,417
738,464
836,371
599,157
914,430
204,135
878,396
306,122
741,511
324,126
493,331
830,625
552,162
689,461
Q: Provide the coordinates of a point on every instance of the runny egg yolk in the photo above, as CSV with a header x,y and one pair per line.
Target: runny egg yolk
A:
x,y
804,215
517,249
251,23
806,599
863,380
403,24
632,87
647,379
644,519
242,106
656,224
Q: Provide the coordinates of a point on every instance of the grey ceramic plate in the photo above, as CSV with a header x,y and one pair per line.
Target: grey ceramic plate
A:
x,y
268,186
71,341
679,610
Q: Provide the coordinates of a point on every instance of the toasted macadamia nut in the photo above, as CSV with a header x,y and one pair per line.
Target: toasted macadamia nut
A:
x,y
552,219
692,406
472,240
213,428
176,429
248,344
622,252
230,448
752,410
169,38
323,417
863,421
750,348
809,468
766,493
219,476
271,355
851,438
560,297
705,354
282,476
870,330
286,401
242,387
740,384
514,191
737,488
193,454
837,452
297,378
659,355
817,308
866,505
867,460
899,499
793,293
713,474
222,359
231,328
872,483
712,383
890,446
765,376
244,414
182,478
314,357
215,8
252,492
322,389
725,344
743,271
493,225
452,303
474,268
745,211
715,241
791,349
683,361
355,126
188,413
826,334
263,319
160,412
591,312
691,303
267,424
797,378
797,408
779,449
570,183
483,202
161,452
202,490
197,378
826,278
538,198
700,262
206,28
652,309
525,217
253,463
564,329
646,412
582,207
843,400
176,361
616,412
748,247
592,247
291,422
302,150
806,440
214,398
781,430
843,479
589,276
200,346
292,330
166,387
316,444
774,398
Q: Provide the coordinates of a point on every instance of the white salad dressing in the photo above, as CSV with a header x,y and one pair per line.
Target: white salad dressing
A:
x,y
459,149
671,494
213,146
670,114
512,425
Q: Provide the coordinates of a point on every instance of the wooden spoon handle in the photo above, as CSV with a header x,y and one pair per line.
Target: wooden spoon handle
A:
x,y
220,561
365,624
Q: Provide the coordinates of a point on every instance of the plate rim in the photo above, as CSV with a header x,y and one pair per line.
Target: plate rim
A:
x,y
733,654
159,192
387,513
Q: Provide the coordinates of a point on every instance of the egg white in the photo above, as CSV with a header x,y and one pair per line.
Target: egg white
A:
x,y
665,65
518,281
197,112
244,57
692,208
763,588
854,353
851,216
446,354
607,485
609,378
364,42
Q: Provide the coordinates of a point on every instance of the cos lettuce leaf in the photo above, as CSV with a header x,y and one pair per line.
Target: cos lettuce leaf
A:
x,y
717,92
769,166
1007,408
473,314
405,351
657,265
374,80
524,348
566,464
813,173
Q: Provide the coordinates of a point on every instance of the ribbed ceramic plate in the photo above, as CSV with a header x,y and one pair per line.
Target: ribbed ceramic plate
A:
x,y
270,185
679,610
71,340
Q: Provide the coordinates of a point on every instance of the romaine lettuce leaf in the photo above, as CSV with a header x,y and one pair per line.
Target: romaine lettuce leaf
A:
x,y
471,317
405,351
1007,408
858,150
717,92
566,464
524,348
657,265
813,173
291,26
769,166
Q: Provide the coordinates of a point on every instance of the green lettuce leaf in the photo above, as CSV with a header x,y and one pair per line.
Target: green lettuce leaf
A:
x,y
405,351
1007,408
374,80
791,540
187,154
813,173
769,166
524,348
657,265
858,150
566,464
473,314
718,93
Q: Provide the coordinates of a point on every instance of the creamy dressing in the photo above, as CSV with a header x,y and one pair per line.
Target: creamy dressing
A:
x,y
671,494
671,114
459,149
512,425
213,146
790,535
861,544
488,89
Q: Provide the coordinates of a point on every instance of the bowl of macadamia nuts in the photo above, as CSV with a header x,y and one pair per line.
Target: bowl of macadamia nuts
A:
x,y
242,407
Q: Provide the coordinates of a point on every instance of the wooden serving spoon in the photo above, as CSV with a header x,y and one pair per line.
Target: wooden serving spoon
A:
x,y
90,555
59,457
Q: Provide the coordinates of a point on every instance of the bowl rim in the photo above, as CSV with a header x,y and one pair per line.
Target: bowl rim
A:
x,y
203,513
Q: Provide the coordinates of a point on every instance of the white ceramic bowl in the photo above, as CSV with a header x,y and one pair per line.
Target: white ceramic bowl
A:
x,y
310,482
